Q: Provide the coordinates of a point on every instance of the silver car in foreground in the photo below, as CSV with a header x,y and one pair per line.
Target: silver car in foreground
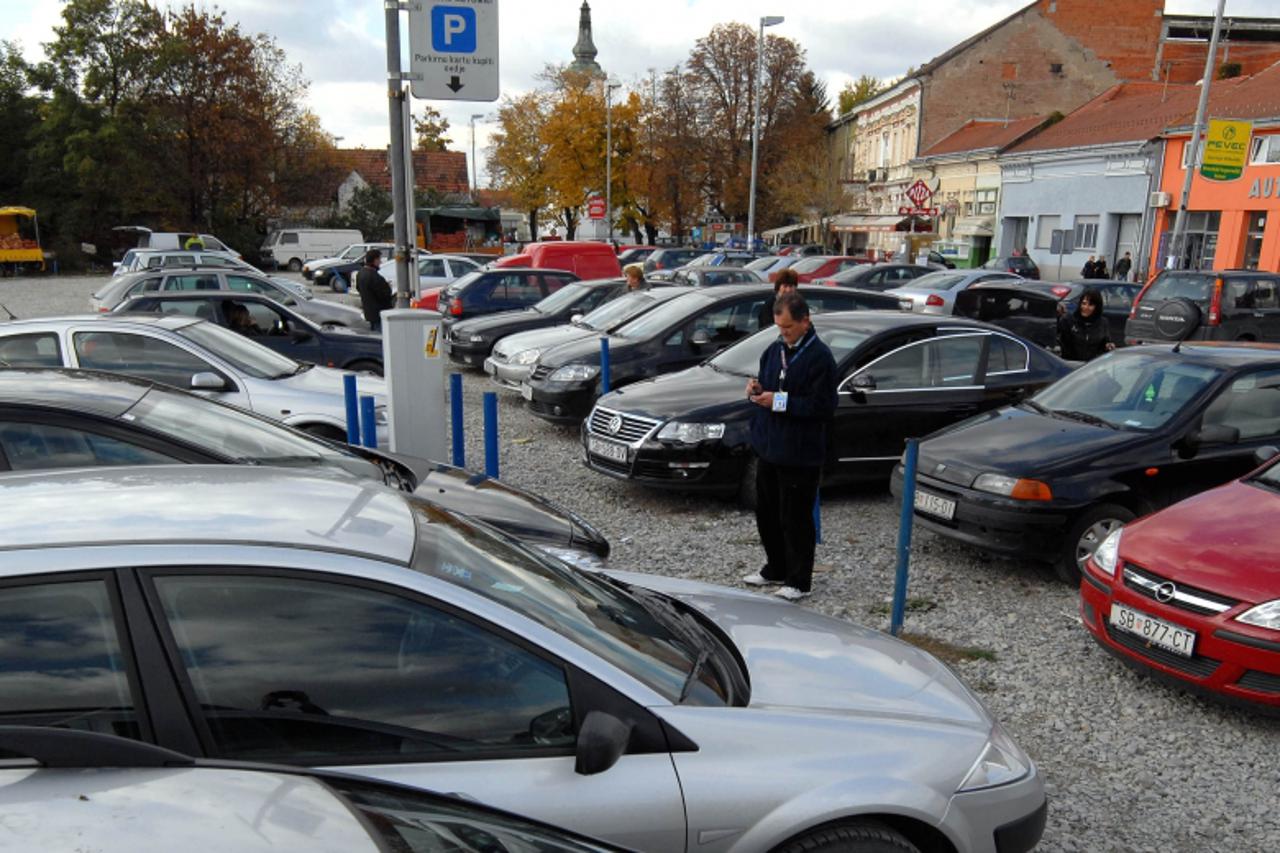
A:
x,y
935,292
194,355
213,611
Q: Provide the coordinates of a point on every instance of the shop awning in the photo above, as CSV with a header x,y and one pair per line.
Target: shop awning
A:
x,y
786,229
975,226
865,222
458,211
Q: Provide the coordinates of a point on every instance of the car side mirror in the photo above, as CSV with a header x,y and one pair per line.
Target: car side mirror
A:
x,y
1212,434
576,318
208,381
700,338
864,382
1265,454
301,336
602,740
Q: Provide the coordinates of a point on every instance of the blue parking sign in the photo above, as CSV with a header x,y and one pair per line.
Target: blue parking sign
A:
x,y
453,29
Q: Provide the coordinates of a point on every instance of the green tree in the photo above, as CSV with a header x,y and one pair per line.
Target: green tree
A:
x,y
863,89
431,131
367,211
517,154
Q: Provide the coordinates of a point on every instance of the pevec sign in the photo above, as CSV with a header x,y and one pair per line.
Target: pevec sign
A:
x,y
1226,149
453,48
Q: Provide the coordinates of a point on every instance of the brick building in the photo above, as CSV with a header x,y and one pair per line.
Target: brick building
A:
x,y
445,172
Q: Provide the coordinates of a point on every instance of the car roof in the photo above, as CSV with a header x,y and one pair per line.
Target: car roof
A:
x,y
105,394
207,504
170,322
174,295
1216,353
874,322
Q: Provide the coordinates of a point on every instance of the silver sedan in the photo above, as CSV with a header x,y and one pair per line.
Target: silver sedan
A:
x,y
365,628
935,293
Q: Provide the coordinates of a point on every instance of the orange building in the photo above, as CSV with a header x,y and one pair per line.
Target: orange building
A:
x,y
1230,224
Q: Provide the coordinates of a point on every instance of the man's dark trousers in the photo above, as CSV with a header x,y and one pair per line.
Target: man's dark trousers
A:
x,y
785,495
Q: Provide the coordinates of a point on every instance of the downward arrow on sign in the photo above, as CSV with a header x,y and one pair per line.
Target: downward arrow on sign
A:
x,y
454,83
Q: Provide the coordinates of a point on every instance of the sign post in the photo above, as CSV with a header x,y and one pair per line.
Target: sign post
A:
x,y
453,46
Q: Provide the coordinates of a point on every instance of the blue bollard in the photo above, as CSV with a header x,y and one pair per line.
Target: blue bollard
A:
x,y
455,407
368,425
817,518
353,408
604,365
904,536
491,434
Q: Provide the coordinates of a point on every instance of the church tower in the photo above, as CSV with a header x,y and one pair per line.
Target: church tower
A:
x,y
584,52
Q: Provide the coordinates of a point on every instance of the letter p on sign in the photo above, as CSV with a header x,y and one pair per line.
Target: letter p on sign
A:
x,y
453,29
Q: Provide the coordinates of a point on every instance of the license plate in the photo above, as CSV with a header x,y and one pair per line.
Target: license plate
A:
x,y
607,449
526,391
490,368
1157,632
933,504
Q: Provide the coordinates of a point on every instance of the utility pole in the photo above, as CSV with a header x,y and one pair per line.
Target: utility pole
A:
x,y
766,21
475,180
609,86
1177,250
396,103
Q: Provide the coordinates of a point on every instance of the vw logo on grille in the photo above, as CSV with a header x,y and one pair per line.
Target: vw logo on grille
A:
x,y
615,424
1166,591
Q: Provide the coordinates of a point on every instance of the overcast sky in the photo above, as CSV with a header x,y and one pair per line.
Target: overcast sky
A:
x,y
341,44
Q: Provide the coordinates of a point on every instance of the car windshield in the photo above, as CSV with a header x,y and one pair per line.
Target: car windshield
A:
x,y
1128,390
763,264
936,281
1180,285
702,260
562,299
248,356
655,321
743,358
460,283
601,616
353,252
617,311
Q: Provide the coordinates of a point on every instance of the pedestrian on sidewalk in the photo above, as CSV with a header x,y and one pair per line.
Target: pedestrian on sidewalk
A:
x,y
1123,266
374,290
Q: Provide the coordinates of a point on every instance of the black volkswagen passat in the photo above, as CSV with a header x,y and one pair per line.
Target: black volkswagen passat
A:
x,y
1129,433
80,418
901,375
565,381
469,342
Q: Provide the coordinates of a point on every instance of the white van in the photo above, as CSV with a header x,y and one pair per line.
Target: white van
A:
x,y
292,247
171,240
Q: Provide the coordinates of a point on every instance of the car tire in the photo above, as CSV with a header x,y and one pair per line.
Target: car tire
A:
x,y
747,485
1086,535
295,265
365,365
864,836
325,431
338,283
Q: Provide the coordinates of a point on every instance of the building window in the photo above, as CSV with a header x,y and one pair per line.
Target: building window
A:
x,y
1009,71
1186,147
1045,226
1055,67
1086,232
1265,150
986,201
1202,239
1253,242
884,149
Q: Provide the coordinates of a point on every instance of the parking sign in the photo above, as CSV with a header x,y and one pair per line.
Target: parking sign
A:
x,y
453,48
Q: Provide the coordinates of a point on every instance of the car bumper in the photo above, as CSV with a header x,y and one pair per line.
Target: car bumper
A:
x,y
1024,529
708,467
467,355
1229,661
509,377
1006,819
559,402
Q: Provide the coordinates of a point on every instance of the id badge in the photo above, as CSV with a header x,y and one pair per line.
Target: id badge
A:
x,y
779,401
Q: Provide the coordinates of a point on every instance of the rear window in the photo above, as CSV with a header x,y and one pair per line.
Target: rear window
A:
x,y
1021,263
1197,287
810,264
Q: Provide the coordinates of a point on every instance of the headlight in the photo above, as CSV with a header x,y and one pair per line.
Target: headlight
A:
x,y
575,373
476,339
1013,487
1000,763
1108,553
380,416
1264,615
528,356
690,433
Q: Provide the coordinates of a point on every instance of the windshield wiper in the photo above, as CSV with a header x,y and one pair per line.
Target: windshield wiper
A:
x,y
692,677
1034,406
1085,417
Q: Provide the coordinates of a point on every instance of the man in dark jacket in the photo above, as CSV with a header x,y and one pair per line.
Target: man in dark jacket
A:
x,y
796,395
374,290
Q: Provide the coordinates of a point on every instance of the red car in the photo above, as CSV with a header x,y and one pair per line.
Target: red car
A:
x,y
1192,593
821,266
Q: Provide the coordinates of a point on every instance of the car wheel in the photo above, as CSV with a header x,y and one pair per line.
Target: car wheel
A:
x,y
365,365
295,265
747,485
864,836
326,431
1085,537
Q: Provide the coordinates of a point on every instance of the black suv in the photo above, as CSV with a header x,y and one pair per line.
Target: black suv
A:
x,y
1207,305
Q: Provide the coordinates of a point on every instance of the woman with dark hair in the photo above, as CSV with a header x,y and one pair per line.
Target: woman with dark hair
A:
x,y
1084,334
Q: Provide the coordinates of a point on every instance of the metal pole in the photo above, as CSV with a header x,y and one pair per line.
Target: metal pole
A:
x,y
608,154
475,169
353,408
491,434
368,422
1176,248
395,111
904,535
755,136
455,406
604,365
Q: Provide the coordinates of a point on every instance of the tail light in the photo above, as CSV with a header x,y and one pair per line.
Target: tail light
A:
x,y
935,300
1137,300
455,307
1060,290
1215,303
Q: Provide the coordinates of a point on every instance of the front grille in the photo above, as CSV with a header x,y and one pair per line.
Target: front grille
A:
x,y
610,465
1263,682
653,470
1197,665
540,372
632,429
1189,598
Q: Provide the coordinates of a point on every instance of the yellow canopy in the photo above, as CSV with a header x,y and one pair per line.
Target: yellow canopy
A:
x,y
17,211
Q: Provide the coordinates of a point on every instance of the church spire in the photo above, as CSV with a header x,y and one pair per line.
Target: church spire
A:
x,y
584,52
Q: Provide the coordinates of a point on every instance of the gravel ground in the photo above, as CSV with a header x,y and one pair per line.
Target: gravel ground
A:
x,y
1129,764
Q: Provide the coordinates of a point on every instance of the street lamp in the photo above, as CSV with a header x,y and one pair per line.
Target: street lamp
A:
x,y
474,179
765,21
609,86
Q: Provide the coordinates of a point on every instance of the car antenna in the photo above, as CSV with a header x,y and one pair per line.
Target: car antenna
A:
x,y
7,311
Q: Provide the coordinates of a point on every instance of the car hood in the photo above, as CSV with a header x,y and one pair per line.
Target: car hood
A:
x,y
587,351
504,322
798,658
318,390
542,339
1219,540
697,392
1020,443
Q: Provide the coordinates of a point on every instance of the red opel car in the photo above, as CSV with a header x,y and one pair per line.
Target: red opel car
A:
x,y
821,266
1191,594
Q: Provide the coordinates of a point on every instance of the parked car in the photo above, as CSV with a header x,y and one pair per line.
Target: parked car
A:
x,y
1117,299
635,254
53,418
565,381
433,271
469,342
901,376
292,247
1129,433
584,258
490,291
365,628
1017,264
137,797
935,292
1021,309
270,324
801,250
193,355
1231,305
317,311
813,267
513,357
353,253
136,260
695,276
669,259
875,276
171,240
724,258
1163,598
770,264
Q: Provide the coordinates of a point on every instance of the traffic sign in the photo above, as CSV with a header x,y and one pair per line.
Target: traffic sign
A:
x,y
596,207
453,48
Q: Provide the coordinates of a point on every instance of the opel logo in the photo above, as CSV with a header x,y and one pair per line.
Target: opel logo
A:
x,y
615,424
1165,592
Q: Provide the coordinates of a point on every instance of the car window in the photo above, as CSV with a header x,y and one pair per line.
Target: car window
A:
x,y
217,261
551,283
188,307
947,362
33,447
61,663
432,268
743,358
1133,391
249,356
1005,355
39,349
1250,403
138,355
652,323
179,260
265,321
155,262
1118,297
1250,293
147,285
728,323
517,290
286,668
1180,285
195,281
288,238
